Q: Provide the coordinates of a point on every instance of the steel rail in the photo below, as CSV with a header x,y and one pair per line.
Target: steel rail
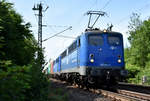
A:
x,y
135,94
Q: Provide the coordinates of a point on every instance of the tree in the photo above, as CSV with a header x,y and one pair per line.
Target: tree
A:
x,y
137,56
21,78
134,24
19,43
139,40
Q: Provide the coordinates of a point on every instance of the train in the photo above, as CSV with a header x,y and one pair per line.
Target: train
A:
x,y
95,58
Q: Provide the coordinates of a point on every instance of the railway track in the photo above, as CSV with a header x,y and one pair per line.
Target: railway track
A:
x,y
117,96
141,96
134,87
120,95
123,95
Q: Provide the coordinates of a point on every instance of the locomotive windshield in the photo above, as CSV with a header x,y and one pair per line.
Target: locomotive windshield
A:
x,y
95,40
114,40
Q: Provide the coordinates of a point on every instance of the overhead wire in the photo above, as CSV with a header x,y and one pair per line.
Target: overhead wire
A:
x,y
139,10
107,3
59,26
63,36
82,17
57,34
95,3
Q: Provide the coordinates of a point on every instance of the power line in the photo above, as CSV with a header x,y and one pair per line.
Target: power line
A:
x,y
106,4
57,34
94,4
57,26
66,36
140,9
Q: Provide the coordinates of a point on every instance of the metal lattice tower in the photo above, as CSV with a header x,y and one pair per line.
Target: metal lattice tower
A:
x,y
39,8
40,27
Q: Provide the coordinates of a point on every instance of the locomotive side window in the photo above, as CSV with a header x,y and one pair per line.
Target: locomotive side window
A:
x,y
114,40
72,47
95,40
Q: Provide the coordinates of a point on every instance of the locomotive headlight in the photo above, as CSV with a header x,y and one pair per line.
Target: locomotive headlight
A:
x,y
92,60
104,30
119,60
91,57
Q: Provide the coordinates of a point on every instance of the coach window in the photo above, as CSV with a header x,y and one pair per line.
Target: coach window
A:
x,y
114,40
57,60
95,40
79,42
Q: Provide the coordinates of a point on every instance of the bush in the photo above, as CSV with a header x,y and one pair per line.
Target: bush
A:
x,y
136,73
133,70
19,83
14,81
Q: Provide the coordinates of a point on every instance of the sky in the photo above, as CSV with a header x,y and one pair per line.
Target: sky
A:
x,y
62,14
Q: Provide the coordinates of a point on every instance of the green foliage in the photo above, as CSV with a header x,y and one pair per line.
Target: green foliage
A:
x,y
19,83
39,84
18,42
21,78
134,24
133,70
136,74
137,57
140,40
14,81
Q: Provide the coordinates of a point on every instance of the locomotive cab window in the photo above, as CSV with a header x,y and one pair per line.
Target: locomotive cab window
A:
x,y
95,40
64,54
114,40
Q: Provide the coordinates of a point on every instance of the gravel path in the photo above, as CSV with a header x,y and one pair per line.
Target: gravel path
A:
x,y
76,94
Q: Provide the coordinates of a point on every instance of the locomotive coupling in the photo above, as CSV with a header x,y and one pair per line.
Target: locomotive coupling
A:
x,y
108,75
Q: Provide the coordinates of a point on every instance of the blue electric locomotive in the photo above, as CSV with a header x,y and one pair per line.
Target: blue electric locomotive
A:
x,y
95,57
